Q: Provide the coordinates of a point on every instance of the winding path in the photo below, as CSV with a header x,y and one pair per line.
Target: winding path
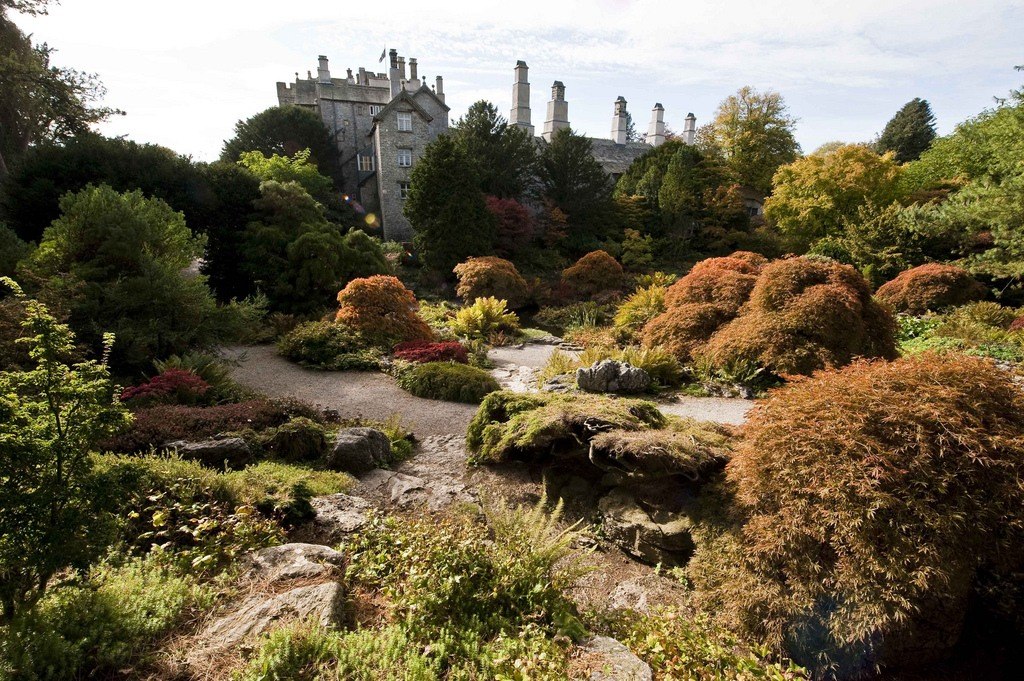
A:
x,y
375,396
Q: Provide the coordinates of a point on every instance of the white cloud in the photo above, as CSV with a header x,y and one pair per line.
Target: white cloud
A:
x,y
186,71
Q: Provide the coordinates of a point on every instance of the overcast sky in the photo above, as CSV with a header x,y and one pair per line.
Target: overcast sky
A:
x,y
186,71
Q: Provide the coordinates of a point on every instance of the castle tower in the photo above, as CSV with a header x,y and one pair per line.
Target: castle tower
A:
x,y
558,111
323,74
521,98
690,129
620,121
656,131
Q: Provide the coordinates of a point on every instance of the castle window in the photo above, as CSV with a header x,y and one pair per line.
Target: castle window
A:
x,y
405,122
403,190
375,109
405,158
365,163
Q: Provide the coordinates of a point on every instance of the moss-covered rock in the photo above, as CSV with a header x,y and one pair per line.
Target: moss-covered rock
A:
x,y
515,426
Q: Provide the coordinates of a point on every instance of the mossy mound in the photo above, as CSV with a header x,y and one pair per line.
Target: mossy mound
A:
x,y
515,426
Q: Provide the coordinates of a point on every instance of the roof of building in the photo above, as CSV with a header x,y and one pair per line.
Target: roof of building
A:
x,y
409,98
616,158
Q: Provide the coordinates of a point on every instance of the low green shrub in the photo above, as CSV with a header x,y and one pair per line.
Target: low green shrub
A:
x,y
514,425
485,318
329,345
300,439
639,308
101,626
982,329
447,381
558,319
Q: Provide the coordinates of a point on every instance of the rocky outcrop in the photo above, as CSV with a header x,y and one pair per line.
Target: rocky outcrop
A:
x,y
612,376
294,561
213,452
359,450
610,660
322,604
664,538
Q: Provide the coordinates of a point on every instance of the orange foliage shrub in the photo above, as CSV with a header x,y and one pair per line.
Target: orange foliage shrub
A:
x,y
791,316
490,277
709,296
594,274
930,287
382,310
806,314
870,501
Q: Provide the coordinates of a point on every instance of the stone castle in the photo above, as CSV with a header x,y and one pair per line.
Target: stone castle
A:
x,y
382,122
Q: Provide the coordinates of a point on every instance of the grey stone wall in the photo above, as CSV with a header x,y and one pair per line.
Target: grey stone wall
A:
x,y
388,139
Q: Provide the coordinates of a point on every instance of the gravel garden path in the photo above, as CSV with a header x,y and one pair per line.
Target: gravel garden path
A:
x,y
375,396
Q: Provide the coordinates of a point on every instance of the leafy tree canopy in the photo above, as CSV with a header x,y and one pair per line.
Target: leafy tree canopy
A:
x,y
446,207
504,156
814,195
754,132
910,132
285,131
40,102
577,185
118,262
297,257
295,168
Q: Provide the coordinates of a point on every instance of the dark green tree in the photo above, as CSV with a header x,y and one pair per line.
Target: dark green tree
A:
x,y
446,207
299,259
285,131
39,102
910,132
578,186
118,262
504,156
51,416
631,134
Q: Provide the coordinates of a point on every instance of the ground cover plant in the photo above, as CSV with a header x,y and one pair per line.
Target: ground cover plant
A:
x,y
426,351
862,545
984,328
329,345
448,381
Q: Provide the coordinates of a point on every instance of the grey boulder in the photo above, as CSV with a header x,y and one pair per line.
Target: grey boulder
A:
x,y
612,376
213,452
359,450
294,561
610,660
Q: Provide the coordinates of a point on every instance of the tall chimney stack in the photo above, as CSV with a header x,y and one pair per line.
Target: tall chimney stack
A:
x,y
323,74
690,129
412,69
439,88
620,121
521,98
656,131
393,74
558,111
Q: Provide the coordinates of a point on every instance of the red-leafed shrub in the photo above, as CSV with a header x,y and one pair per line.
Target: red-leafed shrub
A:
x,y
515,225
159,424
490,277
1017,324
382,310
595,274
806,314
930,287
871,502
426,351
173,386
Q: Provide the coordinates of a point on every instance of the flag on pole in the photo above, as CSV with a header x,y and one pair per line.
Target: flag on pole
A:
x,y
383,53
